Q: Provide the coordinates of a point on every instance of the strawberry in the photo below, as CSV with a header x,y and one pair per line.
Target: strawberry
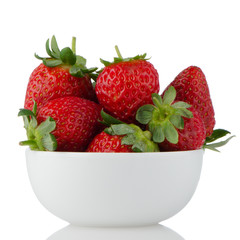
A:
x,y
75,119
191,137
192,87
62,74
122,137
104,142
125,85
173,124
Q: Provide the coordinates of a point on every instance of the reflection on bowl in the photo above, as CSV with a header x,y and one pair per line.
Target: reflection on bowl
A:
x,y
114,189
156,232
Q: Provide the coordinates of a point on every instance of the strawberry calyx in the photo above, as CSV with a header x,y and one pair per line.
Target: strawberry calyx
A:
x,y
119,58
217,134
165,116
66,58
39,135
132,134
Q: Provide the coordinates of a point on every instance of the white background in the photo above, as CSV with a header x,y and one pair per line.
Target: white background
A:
x,y
176,34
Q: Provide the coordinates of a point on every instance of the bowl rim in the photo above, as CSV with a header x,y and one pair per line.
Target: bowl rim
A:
x,y
56,153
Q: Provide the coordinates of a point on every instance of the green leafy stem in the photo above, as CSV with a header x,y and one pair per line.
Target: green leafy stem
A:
x,y
165,116
119,58
67,57
141,141
217,134
39,135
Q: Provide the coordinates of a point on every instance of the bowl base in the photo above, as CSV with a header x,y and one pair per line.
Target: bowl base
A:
x,y
153,232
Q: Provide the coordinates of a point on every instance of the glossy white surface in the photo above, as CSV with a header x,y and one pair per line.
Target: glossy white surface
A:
x,y
114,189
156,232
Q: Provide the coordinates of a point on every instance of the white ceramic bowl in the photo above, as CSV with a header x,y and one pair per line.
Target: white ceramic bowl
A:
x,y
114,189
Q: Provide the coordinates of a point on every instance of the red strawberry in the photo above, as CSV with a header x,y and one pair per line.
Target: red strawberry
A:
x,y
76,123
192,87
104,142
122,137
125,85
191,137
63,74
172,124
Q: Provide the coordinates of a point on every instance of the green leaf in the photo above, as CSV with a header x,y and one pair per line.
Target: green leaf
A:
x,y
109,131
184,112
157,103
177,121
158,134
147,134
76,71
34,110
25,112
55,54
46,127
33,123
52,62
181,104
122,129
54,46
39,137
134,136
89,70
151,126
49,52
49,142
29,120
217,133
214,146
169,95
119,58
139,147
144,114
79,69
67,56
36,56
105,63
158,97
141,57
128,139
108,119
26,121
94,77
170,132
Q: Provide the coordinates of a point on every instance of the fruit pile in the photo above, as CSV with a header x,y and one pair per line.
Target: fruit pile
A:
x,y
69,107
